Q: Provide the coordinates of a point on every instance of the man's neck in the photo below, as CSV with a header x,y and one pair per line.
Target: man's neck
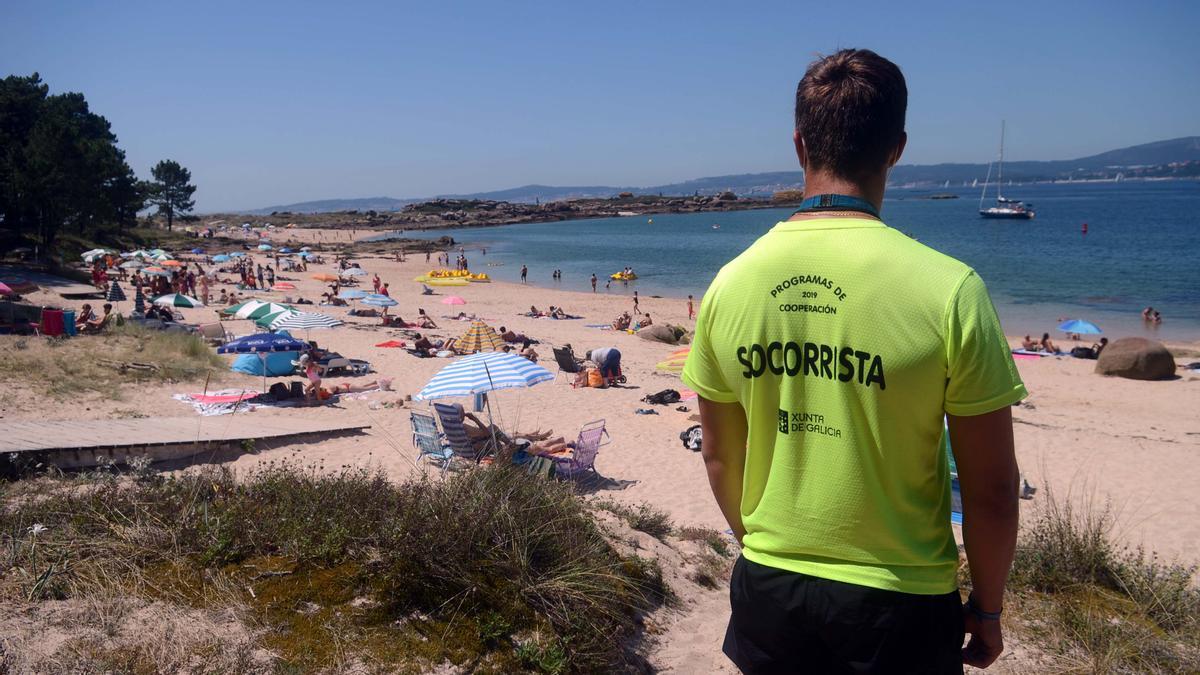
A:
x,y
820,183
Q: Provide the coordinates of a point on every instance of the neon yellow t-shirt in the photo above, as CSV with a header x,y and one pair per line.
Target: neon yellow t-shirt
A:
x,y
845,342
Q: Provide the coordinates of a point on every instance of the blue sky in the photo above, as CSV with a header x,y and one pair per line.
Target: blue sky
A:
x,y
277,102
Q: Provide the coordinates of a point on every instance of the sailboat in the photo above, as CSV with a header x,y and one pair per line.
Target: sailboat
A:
x,y
1004,208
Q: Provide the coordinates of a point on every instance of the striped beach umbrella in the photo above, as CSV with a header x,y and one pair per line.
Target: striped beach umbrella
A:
x,y
354,272
266,320
115,294
353,294
480,337
132,265
247,305
177,300
379,301
675,362
263,310
139,302
304,321
483,372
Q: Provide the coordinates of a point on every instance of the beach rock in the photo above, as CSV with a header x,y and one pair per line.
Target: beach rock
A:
x,y
661,333
1137,359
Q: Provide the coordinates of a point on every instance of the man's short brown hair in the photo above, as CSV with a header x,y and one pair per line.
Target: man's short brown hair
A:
x,y
850,112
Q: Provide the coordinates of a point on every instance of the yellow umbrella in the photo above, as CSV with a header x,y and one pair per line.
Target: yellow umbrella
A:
x,y
480,337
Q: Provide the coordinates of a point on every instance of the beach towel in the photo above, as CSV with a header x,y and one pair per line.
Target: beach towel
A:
x,y
222,402
400,344
601,326
1026,352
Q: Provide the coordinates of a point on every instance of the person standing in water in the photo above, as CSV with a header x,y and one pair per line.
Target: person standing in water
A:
x,y
524,273
593,282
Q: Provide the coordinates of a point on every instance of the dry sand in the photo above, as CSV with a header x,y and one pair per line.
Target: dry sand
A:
x,y
1134,443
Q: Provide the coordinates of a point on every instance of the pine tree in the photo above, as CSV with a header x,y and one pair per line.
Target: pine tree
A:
x,y
171,190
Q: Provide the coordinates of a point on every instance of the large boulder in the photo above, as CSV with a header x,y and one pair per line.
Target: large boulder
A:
x,y
662,333
1137,359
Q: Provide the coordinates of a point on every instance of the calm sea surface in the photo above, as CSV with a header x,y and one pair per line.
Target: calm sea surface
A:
x,y
1142,248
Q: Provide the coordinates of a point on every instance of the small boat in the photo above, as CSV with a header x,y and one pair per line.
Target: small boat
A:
x,y
1009,209
716,227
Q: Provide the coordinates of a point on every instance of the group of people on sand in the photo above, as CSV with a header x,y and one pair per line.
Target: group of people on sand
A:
x,y
552,313
87,321
315,393
1047,345
625,322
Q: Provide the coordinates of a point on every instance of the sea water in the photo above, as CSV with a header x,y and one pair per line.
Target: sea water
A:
x,y
1142,248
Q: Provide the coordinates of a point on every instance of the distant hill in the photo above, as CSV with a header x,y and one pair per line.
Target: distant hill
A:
x,y
1123,160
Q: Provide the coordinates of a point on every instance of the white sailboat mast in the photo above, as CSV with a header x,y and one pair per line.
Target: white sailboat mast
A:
x,y
1000,167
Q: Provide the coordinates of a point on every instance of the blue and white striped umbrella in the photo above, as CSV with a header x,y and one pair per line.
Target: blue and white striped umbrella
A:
x,y
483,372
379,301
353,294
304,321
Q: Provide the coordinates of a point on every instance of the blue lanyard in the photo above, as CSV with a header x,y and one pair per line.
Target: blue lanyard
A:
x,y
833,202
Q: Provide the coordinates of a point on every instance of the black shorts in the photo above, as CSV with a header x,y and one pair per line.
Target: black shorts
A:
x,y
784,622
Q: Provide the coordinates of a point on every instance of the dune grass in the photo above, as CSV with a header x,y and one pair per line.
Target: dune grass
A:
x,y
1095,606
91,363
489,569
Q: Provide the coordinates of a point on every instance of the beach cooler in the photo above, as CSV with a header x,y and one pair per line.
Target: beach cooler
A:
x,y
52,323
69,322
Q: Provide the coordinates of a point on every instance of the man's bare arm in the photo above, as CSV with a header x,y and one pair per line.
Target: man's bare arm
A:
x,y
988,475
723,427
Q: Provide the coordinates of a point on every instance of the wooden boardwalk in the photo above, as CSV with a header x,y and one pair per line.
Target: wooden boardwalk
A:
x,y
79,442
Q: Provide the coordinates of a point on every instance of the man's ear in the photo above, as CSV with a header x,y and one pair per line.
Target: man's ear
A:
x,y
895,158
801,151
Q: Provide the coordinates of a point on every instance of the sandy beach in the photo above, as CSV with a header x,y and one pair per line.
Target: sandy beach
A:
x,y
1132,444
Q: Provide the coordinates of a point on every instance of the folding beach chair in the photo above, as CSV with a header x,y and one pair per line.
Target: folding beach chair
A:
x,y
428,441
453,419
567,362
583,458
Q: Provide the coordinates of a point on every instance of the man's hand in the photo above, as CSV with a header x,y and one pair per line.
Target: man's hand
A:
x,y
987,641
723,428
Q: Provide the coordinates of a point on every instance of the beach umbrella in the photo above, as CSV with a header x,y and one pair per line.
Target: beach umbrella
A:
x,y
264,247
141,253
115,294
266,320
162,258
305,320
247,305
177,300
132,265
157,251
306,249
139,302
379,301
353,294
284,286
453,300
306,255
325,277
237,254
221,258
1080,326
171,263
483,372
197,251
262,344
285,250
156,271
354,272
263,310
92,253
480,337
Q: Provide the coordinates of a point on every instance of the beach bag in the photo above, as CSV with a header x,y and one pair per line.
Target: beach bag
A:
x,y
691,438
280,391
297,389
664,397
594,379
1083,353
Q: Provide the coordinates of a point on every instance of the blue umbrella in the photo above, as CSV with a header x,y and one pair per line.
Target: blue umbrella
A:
x,y
264,247
379,301
483,372
197,251
285,250
237,254
353,294
263,342
1080,326
221,258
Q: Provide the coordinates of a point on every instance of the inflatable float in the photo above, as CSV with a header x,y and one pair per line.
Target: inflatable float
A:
x,y
621,276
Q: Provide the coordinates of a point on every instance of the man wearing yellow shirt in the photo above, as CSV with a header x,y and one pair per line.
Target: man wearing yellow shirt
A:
x,y
826,357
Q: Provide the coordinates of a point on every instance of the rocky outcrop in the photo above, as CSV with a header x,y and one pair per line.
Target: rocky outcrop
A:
x,y
1137,359
666,334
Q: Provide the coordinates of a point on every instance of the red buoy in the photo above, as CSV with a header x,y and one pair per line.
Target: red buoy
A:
x,y
1084,228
